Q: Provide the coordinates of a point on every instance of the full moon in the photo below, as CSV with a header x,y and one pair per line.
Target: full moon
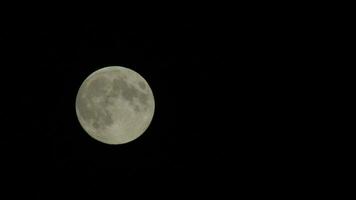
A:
x,y
115,105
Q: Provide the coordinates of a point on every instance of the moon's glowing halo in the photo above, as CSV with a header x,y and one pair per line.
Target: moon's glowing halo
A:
x,y
115,105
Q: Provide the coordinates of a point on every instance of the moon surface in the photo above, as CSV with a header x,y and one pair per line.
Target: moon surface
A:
x,y
115,105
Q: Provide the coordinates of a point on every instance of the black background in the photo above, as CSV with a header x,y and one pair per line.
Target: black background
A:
x,y
44,65
221,91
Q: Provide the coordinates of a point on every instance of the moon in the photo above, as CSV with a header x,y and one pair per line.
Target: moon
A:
x,y
115,105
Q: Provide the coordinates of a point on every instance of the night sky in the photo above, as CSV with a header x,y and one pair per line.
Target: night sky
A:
x,y
215,96
45,64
